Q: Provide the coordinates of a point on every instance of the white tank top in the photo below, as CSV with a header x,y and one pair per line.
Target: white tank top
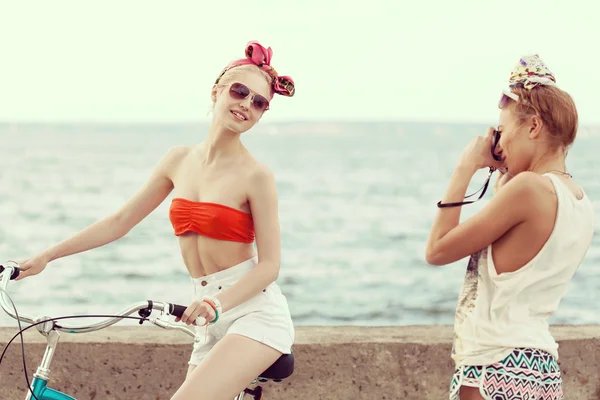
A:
x,y
498,313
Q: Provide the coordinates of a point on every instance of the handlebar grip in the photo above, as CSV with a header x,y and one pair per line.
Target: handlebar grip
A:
x,y
16,270
177,310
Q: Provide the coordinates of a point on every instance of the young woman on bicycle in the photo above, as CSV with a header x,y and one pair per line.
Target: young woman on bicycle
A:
x,y
225,202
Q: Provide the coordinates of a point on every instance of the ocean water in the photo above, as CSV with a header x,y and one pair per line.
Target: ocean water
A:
x,y
356,204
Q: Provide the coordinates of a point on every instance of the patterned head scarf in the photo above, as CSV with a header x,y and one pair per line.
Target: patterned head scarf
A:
x,y
529,73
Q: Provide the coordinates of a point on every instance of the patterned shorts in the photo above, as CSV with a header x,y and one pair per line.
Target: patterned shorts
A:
x,y
526,374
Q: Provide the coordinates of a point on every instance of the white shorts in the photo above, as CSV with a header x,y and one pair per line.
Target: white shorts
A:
x,y
264,318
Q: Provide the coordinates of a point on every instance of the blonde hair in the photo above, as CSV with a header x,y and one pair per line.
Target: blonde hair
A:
x,y
553,106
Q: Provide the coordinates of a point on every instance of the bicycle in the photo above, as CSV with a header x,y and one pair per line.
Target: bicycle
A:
x,y
48,327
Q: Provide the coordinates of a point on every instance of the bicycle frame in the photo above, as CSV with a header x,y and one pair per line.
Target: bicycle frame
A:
x,y
39,386
43,392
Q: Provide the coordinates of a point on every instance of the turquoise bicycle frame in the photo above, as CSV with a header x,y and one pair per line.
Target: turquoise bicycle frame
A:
x,y
43,392
39,386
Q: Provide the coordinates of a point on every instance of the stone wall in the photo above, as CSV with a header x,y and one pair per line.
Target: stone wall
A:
x,y
406,362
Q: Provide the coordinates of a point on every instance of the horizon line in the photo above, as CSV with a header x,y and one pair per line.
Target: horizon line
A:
x,y
270,123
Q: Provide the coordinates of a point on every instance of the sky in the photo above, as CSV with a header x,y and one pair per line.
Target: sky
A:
x,y
155,61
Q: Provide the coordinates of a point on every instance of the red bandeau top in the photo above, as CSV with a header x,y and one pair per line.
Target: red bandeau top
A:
x,y
212,220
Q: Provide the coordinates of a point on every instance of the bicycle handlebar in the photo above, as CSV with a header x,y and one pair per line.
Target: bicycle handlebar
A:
x,y
10,270
13,267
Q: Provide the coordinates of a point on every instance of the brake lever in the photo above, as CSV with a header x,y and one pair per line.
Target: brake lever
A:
x,y
162,322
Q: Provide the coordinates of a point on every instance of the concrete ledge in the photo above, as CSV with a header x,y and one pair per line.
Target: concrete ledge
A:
x,y
407,362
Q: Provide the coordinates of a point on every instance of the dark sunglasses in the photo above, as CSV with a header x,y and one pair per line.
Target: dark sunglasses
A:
x,y
495,140
240,91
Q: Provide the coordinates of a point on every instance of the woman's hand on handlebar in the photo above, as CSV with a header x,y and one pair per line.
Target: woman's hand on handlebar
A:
x,y
32,266
195,310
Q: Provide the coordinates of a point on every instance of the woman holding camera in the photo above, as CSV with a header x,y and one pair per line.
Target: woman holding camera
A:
x,y
524,245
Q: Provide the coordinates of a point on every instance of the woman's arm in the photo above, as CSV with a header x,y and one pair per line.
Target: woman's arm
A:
x,y
264,207
501,180
449,240
115,226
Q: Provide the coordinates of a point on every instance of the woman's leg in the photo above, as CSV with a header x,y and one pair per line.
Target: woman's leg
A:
x,y
229,368
470,393
191,369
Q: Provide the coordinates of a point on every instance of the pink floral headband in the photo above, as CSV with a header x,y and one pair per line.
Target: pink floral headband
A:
x,y
256,54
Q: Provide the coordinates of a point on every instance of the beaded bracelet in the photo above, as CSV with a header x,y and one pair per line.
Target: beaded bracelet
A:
x,y
215,305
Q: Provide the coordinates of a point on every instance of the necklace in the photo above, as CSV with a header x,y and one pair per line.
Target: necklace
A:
x,y
560,172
